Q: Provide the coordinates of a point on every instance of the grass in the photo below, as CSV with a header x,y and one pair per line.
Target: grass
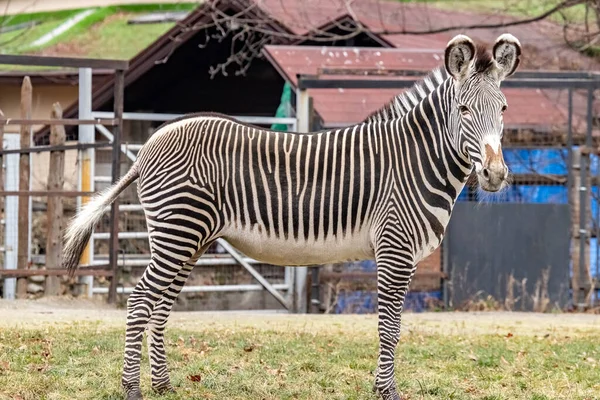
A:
x,y
114,38
94,31
282,360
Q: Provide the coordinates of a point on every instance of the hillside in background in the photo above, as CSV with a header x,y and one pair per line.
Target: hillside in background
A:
x,y
103,32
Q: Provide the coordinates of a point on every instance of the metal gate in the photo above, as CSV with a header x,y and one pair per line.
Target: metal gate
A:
x,y
516,253
285,285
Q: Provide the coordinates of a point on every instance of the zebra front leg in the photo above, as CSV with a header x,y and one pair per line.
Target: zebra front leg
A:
x,y
156,328
392,285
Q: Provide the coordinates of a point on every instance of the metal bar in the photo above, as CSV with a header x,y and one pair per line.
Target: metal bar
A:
x,y
300,273
107,134
121,235
11,212
132,147
72,62
202,261
372,276
583,196
135,116
445,269
68,121
315,297
42,193
372,72
415,72
41,149
87,160
103,179
24,273
211,288
116,173
570,142
316,83
127,207
254,273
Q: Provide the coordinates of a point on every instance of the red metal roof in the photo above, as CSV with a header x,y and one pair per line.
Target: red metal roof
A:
x,y
528,107
543,46
543,41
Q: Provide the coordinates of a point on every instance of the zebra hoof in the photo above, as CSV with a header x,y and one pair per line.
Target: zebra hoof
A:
x,y
389,394
135,395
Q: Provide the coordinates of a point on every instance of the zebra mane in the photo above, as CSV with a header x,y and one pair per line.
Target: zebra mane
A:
x,y
407,100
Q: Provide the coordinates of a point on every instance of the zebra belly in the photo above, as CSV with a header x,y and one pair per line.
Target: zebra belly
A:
x,y
280,251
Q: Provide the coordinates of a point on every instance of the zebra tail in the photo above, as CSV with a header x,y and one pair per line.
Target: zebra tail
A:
x,y
80,228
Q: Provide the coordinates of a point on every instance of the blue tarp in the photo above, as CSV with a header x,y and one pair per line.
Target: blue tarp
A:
x,y
519,161
365,302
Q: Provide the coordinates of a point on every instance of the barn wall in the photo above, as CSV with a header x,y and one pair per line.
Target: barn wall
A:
x,y
43,98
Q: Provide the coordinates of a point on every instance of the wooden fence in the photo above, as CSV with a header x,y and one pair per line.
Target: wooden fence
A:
x,y
55,192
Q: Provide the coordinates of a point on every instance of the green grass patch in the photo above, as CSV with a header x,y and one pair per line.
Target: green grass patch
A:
x,y
233,361
128,41
114,38
15,42
7,20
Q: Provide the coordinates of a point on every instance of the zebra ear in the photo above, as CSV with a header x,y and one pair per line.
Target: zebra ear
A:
x,y
507,54
460,51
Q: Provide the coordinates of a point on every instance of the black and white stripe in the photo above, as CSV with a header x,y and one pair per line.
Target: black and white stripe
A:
x,y
382,189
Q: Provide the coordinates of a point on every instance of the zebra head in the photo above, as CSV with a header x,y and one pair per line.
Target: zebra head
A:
x,y
477,105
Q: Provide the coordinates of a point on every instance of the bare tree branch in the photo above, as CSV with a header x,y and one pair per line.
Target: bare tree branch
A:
x,y
561,6
252,27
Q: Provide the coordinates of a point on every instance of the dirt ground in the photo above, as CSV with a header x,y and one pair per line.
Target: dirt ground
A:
x,y
58,311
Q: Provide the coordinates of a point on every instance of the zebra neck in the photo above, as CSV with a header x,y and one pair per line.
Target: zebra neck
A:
x,y
425,132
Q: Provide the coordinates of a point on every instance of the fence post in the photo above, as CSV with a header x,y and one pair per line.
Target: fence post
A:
x,y
300,273
87,171
116,174
11,209
24,174
55,206
2,209
580,217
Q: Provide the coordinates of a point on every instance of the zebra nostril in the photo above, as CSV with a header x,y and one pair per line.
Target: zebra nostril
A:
x,y
486,174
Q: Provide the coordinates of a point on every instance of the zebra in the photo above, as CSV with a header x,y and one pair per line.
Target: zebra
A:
x,y
382,189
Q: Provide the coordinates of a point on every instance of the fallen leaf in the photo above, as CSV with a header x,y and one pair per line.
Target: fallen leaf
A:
x,y
503,360
248,348
509,335
472,357
195,378
4,365
95,350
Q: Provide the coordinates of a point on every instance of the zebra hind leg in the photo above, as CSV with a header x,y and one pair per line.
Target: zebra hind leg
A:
x,y
158,277
156,328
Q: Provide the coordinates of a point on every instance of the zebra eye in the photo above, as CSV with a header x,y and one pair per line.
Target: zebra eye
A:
x,y
504,107
464,110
